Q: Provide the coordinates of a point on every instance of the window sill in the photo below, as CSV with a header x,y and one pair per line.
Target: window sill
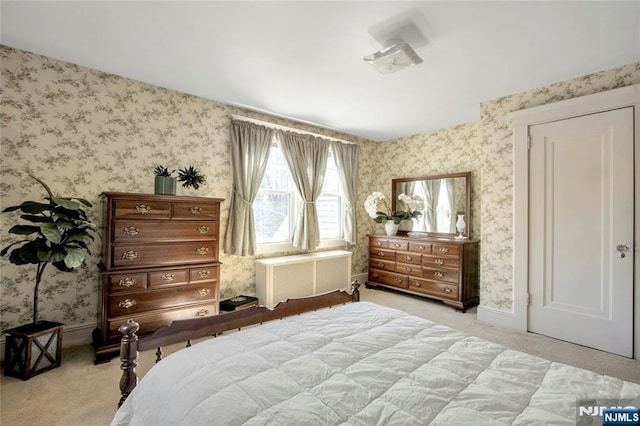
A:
x,y
272,248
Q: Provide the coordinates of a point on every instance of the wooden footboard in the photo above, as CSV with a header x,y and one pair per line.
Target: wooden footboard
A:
x,y
186,330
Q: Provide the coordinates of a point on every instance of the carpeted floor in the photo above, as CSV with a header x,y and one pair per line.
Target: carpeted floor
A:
x,y
80,393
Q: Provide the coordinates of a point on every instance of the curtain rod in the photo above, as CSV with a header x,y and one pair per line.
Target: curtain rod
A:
x,y
290,129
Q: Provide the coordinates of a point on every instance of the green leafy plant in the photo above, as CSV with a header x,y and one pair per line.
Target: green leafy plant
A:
x,y
60,235
191,177
160,170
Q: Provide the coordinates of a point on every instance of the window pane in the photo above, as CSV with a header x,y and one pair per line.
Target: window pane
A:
x,y
276,176
328,207
271,210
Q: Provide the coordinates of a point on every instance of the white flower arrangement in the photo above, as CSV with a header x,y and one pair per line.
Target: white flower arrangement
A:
x,y
378,207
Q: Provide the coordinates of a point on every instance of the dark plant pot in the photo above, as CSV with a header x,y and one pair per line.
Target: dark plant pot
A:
x,y
165,185
32,349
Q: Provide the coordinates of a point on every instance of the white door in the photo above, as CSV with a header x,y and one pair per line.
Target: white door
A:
x,y
581,230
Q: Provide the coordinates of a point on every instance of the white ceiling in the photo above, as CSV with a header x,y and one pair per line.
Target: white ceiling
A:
x,y
303,60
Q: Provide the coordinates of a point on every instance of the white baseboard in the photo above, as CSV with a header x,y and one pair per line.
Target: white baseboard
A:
x,y
496,317
72,335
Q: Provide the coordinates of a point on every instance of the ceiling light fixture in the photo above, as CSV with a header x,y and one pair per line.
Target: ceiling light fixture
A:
x,y
394,58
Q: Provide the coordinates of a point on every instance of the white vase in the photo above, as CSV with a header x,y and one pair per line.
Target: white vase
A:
x,y
390,228
460,226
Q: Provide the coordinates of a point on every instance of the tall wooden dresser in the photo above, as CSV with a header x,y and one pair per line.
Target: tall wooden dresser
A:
x,y
160,263
439,268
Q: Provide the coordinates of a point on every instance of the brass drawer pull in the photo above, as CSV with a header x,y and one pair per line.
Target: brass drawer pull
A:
x,y
446,289
439,262
204,291
131,231
375,275
204,273
168,277
126,282
381,265
397,245
398,280
203,230
408,258
127,303
202,251
202,313
195,210
408,269
378,243
421,247
444,249
416,284
381,254
142,209
130,255
438,274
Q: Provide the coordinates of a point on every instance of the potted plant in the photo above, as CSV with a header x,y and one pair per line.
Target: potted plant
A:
x,y
191,177
59,234
164,183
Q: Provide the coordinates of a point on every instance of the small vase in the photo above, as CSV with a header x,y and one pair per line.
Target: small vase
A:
x,y
391,228
165,185
460,226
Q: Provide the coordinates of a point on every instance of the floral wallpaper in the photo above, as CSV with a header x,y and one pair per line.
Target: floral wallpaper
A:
x,y
85,132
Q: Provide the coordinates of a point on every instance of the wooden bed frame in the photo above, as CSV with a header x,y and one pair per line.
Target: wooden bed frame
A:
x,y
186,330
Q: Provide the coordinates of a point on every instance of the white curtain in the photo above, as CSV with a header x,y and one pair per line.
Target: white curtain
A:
x,y
250,147
346,157
306,157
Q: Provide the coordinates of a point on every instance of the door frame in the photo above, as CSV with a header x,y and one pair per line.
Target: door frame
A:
x,y
521,120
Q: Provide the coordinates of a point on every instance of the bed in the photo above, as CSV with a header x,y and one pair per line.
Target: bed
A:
x,y
354,364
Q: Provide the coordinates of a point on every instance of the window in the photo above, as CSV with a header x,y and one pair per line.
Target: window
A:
x,y
275,204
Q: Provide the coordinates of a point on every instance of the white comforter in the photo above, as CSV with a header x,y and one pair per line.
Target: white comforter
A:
x,y
360,364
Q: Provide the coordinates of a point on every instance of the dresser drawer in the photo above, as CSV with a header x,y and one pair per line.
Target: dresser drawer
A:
x,y
446,250
440,274
378,242
420,247
135,256
385,265
141,209
162,230
388,278
409,269
168,278
204,274
152,321
434,288
382,254
398,244
133,303
408,257
122,282
194,211
441,262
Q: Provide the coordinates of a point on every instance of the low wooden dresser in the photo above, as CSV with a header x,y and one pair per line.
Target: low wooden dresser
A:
x,y
160,263
438,268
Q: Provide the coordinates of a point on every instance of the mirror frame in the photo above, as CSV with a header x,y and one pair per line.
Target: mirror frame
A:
x,y
465,175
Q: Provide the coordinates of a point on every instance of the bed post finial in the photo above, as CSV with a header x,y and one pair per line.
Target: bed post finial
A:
x,y
129,358
355,293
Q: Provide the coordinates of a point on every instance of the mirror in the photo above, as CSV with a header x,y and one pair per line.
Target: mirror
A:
x,y
445,197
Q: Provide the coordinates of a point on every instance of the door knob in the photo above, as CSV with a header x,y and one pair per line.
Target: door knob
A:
x,y
621,250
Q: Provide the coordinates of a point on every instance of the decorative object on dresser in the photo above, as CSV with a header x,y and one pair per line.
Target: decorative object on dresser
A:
x,y
441,269
164,183
380,210
160,263
191,177
60,236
